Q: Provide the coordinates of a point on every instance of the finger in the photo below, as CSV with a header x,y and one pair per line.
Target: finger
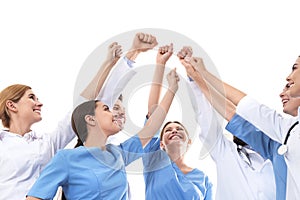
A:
x,y
153,40
141,36
170,49
149,39
145,39
180,55
189,51
113,44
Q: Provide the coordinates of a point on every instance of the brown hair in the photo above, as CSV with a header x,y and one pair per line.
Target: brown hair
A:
x,y
78,119
169,122
14,93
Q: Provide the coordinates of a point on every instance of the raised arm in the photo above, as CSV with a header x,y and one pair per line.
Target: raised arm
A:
x,y
231,93
123,71
94,87
214,95
142,42
163,55
158,116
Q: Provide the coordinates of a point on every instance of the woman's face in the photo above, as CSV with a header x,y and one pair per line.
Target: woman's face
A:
x,y
290,104
174,134
294,80
29,107
105,119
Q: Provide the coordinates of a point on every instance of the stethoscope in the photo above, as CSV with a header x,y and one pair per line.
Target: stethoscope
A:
x,y
283,148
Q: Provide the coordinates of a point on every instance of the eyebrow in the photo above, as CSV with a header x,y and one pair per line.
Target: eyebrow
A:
x,y
294,65
31,94
174,127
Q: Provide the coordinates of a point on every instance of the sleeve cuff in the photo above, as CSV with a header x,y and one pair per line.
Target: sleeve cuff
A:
x,y
129,62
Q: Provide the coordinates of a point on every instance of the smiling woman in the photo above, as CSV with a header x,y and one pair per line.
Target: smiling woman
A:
x,y
167,158
19,110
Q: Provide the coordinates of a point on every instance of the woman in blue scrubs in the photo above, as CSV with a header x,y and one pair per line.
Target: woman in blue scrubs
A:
x,y
166,174
97,170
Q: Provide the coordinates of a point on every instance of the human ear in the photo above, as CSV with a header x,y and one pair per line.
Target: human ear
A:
x,y
11,105
90,120
162,146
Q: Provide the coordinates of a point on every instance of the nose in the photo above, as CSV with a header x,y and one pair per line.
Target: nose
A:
x,y
281,95
174,130
38,103
288,78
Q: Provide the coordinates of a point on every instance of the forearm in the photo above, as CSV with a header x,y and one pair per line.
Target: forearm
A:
x,y
224,107
132,54
232,94
116,82
156,86
94,87
157,118
206,117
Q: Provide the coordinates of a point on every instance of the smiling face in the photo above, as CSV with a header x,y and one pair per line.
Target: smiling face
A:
x,y
290,104
28,108
174,135
105,119
93,117
119,113
294,80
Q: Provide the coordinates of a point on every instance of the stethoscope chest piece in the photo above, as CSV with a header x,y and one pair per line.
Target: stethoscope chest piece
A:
x,y
282,149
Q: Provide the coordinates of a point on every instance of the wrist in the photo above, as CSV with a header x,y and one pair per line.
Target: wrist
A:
x,y
132,54
173,89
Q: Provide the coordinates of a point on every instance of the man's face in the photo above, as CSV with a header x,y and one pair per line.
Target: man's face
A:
x,y
119,113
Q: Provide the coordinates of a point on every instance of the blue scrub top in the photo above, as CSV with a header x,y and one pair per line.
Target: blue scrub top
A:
x,y
89,173
265,146
164,180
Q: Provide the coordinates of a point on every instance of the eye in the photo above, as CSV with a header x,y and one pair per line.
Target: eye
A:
x,y
179,129
116,108
106,108
32,97
168,130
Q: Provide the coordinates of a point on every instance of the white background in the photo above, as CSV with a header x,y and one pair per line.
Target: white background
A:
x,y
43,44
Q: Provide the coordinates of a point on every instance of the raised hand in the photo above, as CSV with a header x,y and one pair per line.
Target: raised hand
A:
x,y
186,51
173,79
143,42
197,63
114,53
164,53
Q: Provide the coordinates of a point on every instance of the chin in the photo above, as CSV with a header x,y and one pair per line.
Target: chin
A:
x,y
40,119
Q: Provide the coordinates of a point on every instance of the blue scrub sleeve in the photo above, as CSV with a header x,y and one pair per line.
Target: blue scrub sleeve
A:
x,y
247,132
132,149
209,195
54,175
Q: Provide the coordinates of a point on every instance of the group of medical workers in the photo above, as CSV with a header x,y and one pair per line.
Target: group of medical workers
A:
x,y
260,162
